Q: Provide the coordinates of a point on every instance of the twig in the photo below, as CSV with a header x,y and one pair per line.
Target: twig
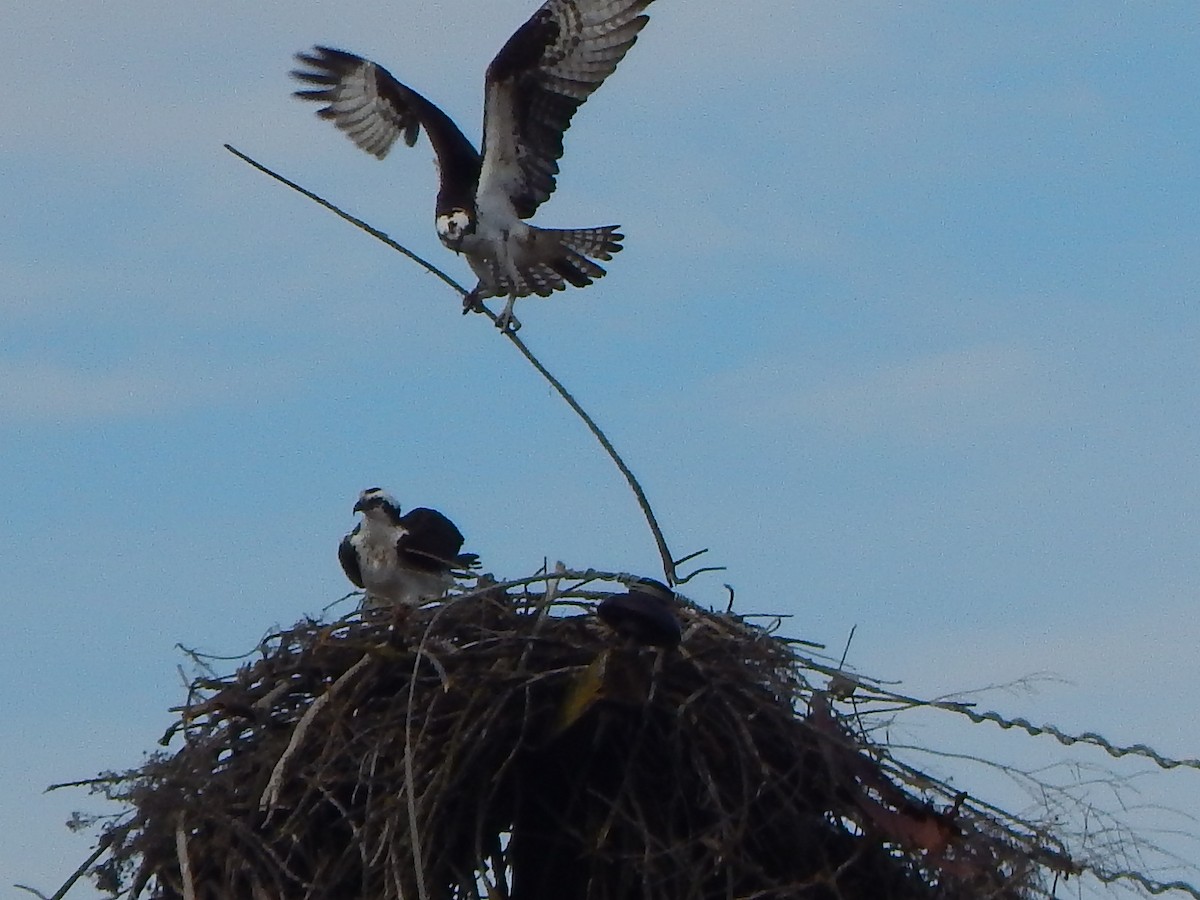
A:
x,y
185,865
103,845
410,780
643,503
357,223
86,782
700,571
846,649
1154,887
1066,739
331,604
689,557
667,560
548,600
583,576
270,795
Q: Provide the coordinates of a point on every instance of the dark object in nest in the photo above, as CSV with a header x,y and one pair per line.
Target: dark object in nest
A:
x,y
643,615
482,747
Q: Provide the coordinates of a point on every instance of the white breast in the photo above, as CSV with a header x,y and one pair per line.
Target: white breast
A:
x,y
385,581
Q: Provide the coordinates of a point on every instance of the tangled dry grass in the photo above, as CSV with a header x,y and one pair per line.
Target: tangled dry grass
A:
x,y
505,744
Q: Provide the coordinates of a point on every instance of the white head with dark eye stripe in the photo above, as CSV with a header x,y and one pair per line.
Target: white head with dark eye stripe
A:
x,y
377,504
453,225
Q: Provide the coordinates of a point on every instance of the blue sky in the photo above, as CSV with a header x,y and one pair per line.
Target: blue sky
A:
x,y
905,332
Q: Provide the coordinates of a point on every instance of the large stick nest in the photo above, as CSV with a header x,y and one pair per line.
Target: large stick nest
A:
x,y
505,743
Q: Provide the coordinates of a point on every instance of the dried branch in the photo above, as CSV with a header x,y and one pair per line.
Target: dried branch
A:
x,y
185,864
1149,884
1065,738
597,433
270,795
103,844
85,782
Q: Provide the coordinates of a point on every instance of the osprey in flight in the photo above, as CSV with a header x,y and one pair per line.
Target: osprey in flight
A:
x,y
532,88
401,559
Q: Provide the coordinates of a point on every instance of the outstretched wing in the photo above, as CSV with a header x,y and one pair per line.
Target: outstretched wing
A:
x,y
374,109
364,100
536,82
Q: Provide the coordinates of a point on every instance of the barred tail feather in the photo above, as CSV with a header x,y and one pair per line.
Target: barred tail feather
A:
x,y
572,248
554,258
600,243
576,269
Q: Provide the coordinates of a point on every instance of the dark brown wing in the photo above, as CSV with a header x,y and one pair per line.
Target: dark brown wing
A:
x,y
431,541
545,72
349,560
374,109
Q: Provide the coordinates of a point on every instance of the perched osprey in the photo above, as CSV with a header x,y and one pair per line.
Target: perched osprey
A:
x,y
532,88
643,615
401,559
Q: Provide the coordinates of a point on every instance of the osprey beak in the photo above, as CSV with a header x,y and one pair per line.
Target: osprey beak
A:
x,y
359,507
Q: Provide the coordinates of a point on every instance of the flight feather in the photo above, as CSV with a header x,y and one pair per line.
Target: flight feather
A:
x,y
537,81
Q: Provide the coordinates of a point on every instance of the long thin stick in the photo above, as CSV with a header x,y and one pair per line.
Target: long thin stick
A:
x,y
270,795
668,561
185,865
103,845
